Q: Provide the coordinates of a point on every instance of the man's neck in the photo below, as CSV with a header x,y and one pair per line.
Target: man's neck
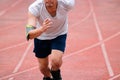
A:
x,y
52,10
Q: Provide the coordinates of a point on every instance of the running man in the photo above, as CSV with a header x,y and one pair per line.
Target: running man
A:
x,y
48,26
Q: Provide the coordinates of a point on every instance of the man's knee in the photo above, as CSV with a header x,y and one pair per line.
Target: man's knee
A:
x,y
56,59
56,62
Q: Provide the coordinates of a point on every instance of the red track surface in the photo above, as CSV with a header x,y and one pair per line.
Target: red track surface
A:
x,y
92,51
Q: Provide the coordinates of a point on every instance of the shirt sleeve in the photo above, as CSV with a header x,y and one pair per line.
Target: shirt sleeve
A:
x,y
34,8
68,4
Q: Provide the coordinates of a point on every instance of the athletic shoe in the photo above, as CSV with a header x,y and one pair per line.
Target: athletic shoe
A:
x,y
47,78
56,75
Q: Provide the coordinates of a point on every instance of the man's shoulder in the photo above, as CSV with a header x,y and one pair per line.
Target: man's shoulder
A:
x,y
38,2
36,7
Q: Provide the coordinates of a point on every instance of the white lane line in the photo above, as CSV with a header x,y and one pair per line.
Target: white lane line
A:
x,y
4,29
82,20
12,78
3,12
111,37
111,73
13,5
17,2
10,26
117,76
21,60
18,73
12,46
67,56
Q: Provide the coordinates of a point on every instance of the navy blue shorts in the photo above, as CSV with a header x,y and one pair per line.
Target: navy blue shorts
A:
x,y
42,48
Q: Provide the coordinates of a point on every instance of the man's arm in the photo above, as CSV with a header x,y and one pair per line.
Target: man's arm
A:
x,y
33,33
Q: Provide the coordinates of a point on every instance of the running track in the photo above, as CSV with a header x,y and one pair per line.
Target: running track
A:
x,y
92,51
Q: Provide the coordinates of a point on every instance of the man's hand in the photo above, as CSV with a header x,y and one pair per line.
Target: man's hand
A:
x,y
46,24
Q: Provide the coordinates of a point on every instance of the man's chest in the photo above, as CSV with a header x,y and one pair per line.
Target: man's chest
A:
x,y
58,16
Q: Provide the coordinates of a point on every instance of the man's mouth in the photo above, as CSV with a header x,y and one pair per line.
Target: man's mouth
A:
x,y
49,4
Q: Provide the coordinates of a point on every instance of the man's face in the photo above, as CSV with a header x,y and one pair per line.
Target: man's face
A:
x,y
50,3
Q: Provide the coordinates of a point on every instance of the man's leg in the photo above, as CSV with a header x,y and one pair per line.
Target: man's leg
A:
x,y
56,62
44,69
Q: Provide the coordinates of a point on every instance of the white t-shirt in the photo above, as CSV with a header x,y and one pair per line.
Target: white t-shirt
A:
x,y
60,21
